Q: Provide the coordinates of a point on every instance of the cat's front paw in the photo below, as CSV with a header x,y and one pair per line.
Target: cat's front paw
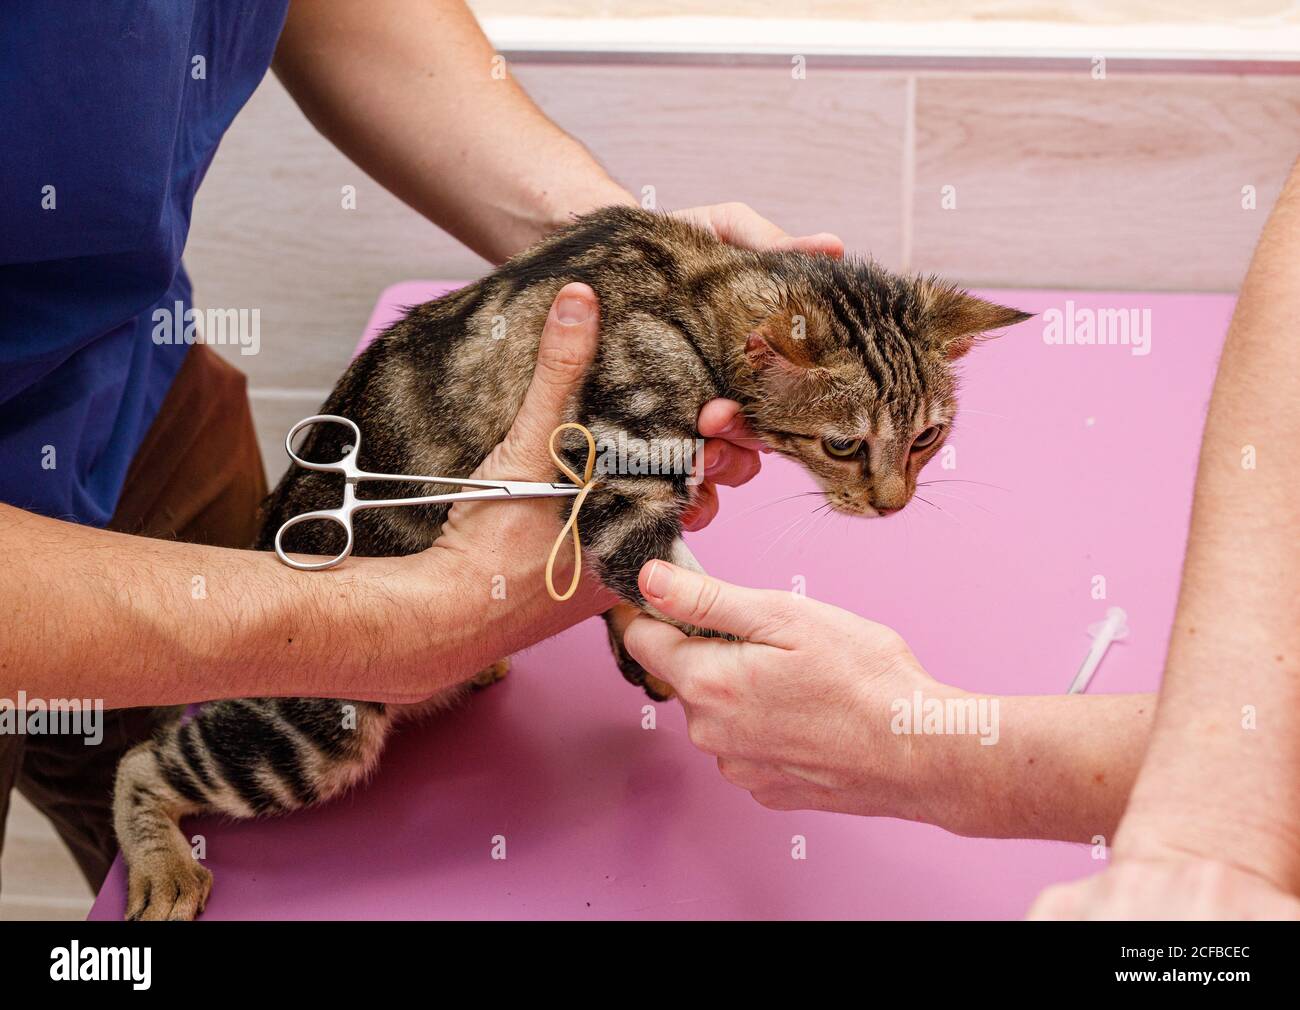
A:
x,y
661,690
658,690
166,884
634,673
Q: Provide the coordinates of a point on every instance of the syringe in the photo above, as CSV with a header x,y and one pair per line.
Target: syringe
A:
x,y
1112,629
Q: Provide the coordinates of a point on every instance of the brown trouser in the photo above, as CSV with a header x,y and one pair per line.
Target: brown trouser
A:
x,y
197,478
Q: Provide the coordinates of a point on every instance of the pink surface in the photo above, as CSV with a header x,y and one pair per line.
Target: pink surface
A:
x,y
1092,451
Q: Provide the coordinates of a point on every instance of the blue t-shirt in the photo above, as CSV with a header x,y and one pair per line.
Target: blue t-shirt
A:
x,y
110,113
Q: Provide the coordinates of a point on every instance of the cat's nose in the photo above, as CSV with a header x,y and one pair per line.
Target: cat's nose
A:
x,y
888,494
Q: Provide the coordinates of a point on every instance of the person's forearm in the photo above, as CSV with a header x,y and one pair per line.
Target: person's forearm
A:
x,y
1062,768
132,621
1222,776
406,89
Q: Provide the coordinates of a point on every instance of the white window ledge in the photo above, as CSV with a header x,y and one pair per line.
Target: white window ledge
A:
x,y
1271,47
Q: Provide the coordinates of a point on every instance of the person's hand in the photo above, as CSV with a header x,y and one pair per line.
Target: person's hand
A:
x,y
497,553
730,457
799,712
1170,888
740,225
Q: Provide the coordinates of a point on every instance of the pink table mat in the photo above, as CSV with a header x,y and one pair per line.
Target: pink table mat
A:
x,y
1090,451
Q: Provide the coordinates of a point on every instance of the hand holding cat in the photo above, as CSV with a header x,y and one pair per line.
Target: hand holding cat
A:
x,y
485,545
730,458
740,225
798,713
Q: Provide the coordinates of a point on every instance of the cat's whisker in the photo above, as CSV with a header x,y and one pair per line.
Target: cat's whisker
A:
x,y
826,523
778,501
965,501
786,530
775,501
940,509
960,480
817,524
782,526
803,526
983,413
809,525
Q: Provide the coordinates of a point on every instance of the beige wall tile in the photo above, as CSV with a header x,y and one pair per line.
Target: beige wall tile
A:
x,y
23,910
25,821
38,877
820,154
270,233
1130,182
274,415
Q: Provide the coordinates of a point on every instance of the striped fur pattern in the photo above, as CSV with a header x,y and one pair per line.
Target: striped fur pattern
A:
x,y
839,365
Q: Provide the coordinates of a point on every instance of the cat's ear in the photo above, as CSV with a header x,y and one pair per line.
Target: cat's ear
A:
x,y
954,319
782,341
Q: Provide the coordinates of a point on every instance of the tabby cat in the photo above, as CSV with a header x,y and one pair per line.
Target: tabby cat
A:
x,y
840,365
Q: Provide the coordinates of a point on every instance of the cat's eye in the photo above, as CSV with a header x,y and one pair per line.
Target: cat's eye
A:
x,y
926,438
841,448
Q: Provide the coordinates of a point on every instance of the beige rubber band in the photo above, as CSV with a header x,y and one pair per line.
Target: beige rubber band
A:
x,y
587,484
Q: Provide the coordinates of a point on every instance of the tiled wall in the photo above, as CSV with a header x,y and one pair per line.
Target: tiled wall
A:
x,y
1058,179
1063,181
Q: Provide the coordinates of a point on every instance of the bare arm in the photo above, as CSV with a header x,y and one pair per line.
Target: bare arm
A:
x,y
1212,830
86,613
1222,776
1063,769
407,90
94,614
410,91
801,714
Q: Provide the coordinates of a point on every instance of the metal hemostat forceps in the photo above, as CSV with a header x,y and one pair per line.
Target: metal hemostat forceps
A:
x,y
485,490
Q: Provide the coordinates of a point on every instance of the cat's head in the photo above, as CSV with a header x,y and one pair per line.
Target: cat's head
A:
x,y
851,372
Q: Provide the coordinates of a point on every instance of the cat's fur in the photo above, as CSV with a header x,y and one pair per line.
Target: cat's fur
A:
x,y
813,348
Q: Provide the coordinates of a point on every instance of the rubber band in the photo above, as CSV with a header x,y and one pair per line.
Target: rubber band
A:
x,y
586,482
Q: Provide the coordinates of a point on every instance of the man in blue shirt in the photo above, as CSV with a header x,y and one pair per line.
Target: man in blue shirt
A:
x,y
113,112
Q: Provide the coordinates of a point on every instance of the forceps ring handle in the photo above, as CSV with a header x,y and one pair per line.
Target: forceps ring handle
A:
x,y
346,463
342,517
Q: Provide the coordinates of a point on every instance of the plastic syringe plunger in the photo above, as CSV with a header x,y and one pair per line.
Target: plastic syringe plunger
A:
x,y
1112,629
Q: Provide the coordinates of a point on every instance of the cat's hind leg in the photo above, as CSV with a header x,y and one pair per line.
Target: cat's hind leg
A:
x,y
164,879
489,676
241,758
